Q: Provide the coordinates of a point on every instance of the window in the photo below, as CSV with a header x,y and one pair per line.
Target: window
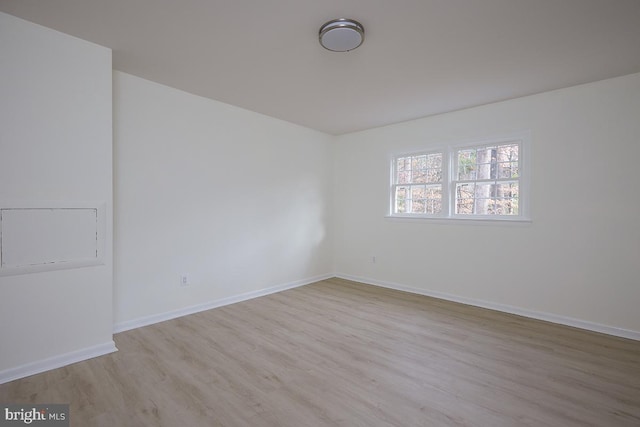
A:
x,y
418,186
481,181
486,180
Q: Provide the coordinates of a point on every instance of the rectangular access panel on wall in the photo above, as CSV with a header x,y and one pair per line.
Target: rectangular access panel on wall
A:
x,y
34,239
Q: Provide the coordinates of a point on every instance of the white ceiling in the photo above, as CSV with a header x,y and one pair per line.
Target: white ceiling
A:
x,y
419,57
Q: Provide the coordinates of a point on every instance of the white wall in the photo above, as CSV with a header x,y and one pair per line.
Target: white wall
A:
x,y
55,148
578,259
237,200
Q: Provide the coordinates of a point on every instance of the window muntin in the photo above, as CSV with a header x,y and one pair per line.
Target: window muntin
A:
x,y
481,181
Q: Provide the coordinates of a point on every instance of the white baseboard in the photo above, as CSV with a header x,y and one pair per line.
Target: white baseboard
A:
x,y
161,317
549,317
56,362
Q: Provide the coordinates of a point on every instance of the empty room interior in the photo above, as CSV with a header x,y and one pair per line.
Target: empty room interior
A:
x,y
338,213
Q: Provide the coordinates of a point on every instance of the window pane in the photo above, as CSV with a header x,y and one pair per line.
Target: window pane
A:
x,y
485,163
419,168
465,191
419,162
487,199
484,203
403,170
426,199
506,206
401,199
507,161
491,162
466,165
464,198
507,195
434,206
434,199
418,206
507,153
403,164
464,206
418,176
434,175
434,161
483,206
508,170
434,168
434,192
418,192
474,198
418,199
404,177
506,190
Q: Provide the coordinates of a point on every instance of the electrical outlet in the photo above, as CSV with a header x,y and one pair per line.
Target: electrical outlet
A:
x,y
184,280
373,259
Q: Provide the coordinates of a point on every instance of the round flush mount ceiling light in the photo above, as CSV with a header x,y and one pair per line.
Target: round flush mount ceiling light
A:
x,y
341,35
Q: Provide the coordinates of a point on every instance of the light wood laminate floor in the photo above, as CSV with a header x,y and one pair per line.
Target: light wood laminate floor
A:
x,y
339,353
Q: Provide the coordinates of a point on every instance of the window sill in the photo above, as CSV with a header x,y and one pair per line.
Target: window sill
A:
x,y
462,220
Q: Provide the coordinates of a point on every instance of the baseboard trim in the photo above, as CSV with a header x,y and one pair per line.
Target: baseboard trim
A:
x,y
55,362
161,317
548,317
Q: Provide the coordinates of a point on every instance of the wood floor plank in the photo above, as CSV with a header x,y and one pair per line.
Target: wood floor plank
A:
x,y
340,353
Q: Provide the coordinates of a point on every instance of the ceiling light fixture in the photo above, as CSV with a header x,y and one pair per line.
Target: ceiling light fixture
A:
x,y
341,35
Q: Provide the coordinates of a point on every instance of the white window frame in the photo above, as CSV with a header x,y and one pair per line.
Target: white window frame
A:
x,y
449,171
394,185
